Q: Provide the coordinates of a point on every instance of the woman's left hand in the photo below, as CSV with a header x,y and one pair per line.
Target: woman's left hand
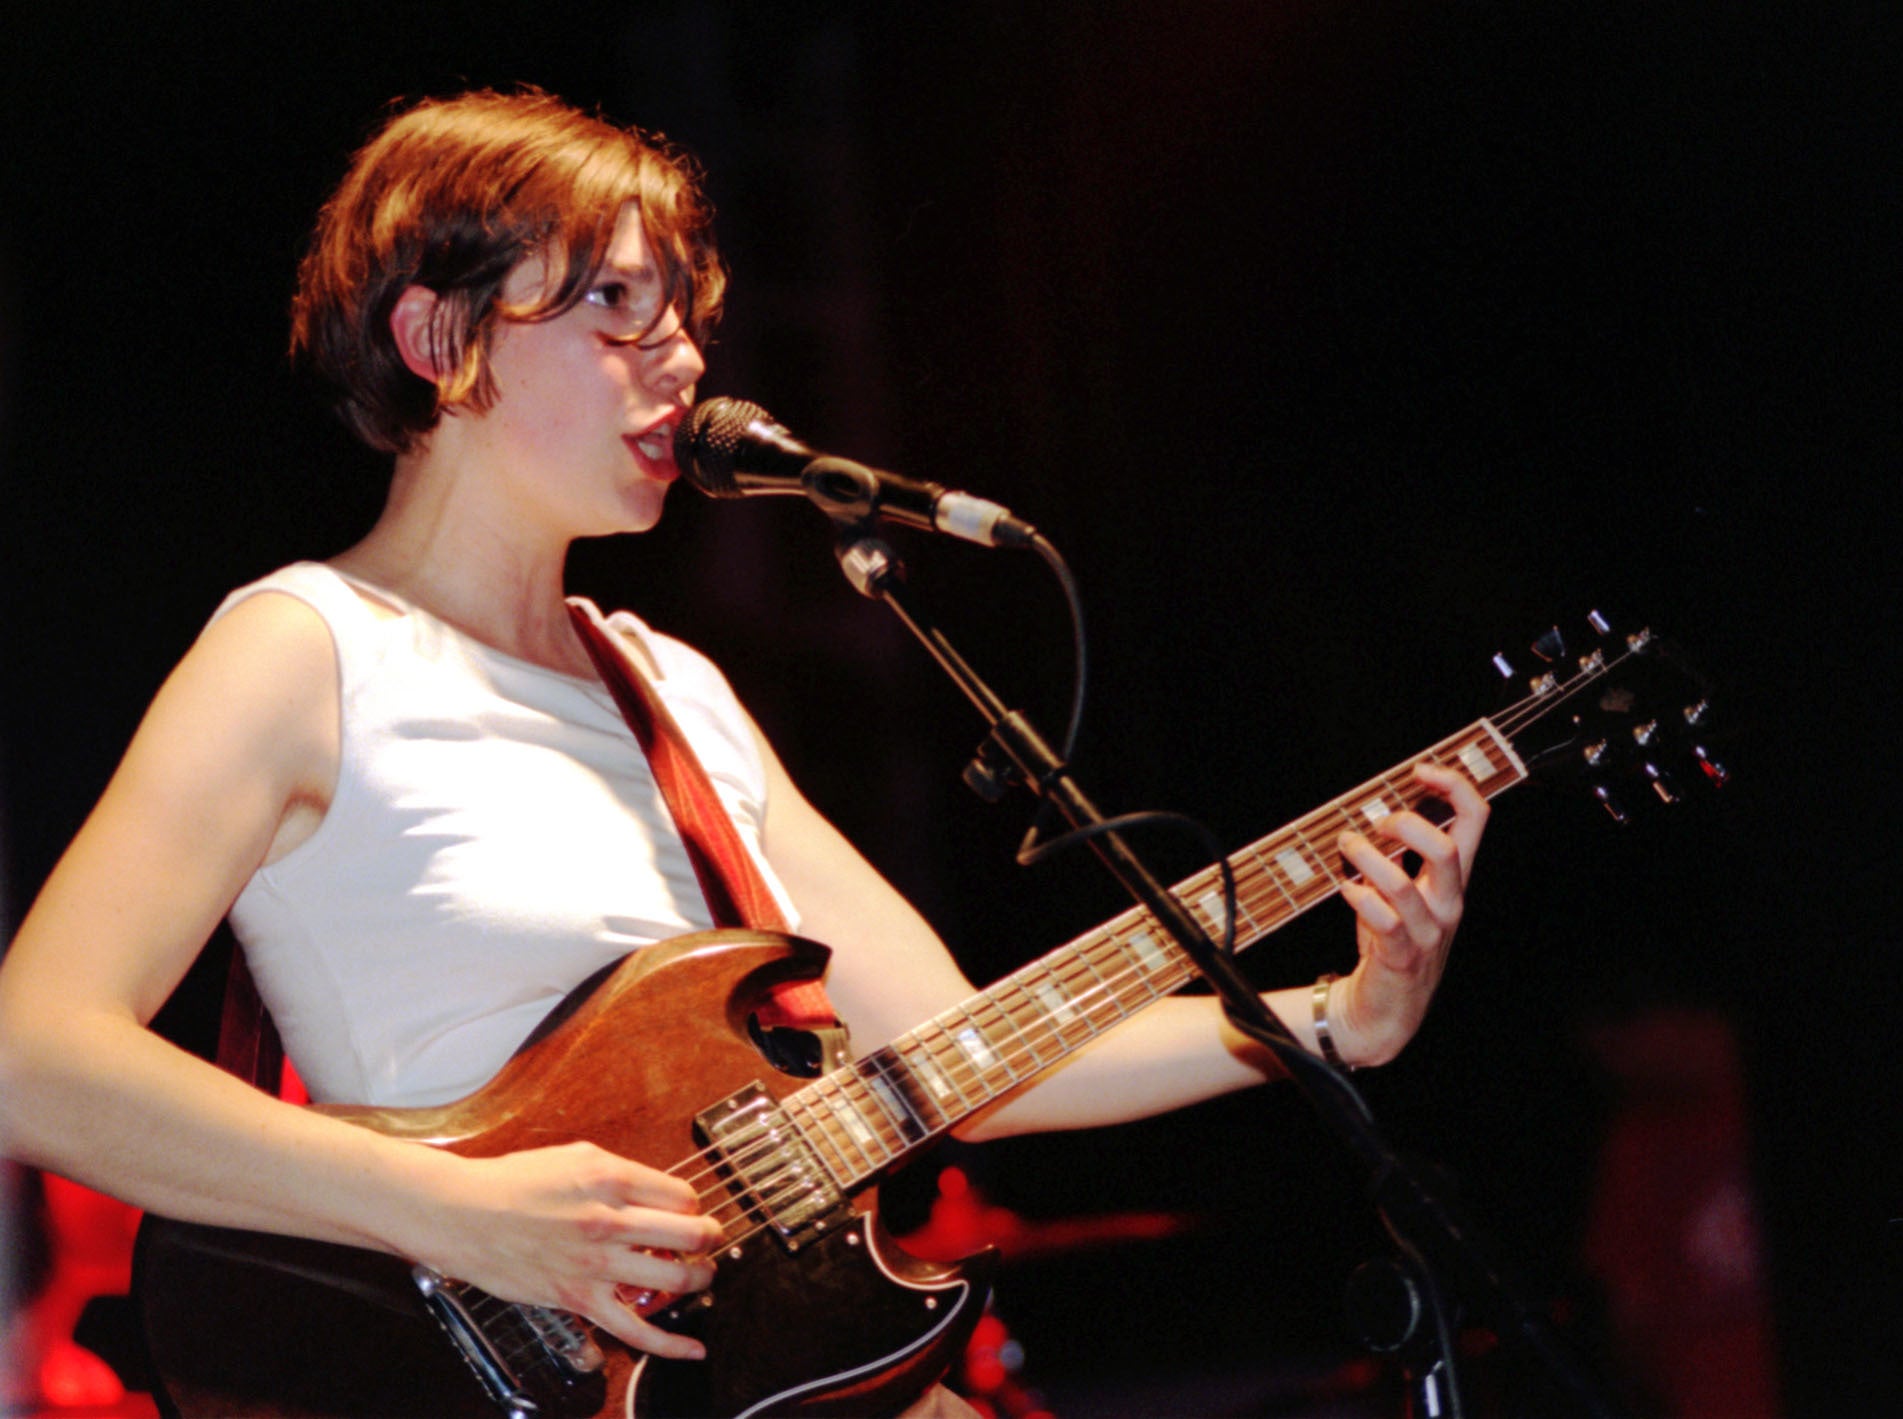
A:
x,y
1404,925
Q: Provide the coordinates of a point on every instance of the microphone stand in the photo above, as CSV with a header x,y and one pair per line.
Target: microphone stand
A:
x,y
1432,1237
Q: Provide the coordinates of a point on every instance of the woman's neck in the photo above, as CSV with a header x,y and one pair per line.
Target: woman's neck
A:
x,y
444,550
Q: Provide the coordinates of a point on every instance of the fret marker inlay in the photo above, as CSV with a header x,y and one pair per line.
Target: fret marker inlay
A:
x,y
889,1096
1479,766
1148,952
1055,1001
922,1065
1295,865
975,1048
1213,908
856,1126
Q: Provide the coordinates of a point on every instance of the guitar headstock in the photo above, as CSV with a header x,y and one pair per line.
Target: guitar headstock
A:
x,y
1621,711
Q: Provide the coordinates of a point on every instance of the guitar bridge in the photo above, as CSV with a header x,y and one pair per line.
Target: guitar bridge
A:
x,y
773,1172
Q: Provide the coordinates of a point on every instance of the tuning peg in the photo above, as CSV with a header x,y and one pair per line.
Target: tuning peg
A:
x,y
1662,783
1609,801
1538,685
1640,641
1550,645
1715,771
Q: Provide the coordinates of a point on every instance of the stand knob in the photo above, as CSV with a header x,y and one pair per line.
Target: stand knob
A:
x,y
1385,1305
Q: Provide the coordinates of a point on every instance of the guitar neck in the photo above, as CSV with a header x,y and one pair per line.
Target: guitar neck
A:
x,y
864,1116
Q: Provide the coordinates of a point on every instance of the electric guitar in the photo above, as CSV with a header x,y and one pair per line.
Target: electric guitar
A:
x,y
814,1308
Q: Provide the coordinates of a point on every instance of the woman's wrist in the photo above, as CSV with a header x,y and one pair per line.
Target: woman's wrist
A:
x,y
409,1191
1320,999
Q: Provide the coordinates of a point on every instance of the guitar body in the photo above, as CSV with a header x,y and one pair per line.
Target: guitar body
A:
x,y
243,1323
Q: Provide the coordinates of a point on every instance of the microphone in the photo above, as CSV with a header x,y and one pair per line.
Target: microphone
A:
x,y
731,448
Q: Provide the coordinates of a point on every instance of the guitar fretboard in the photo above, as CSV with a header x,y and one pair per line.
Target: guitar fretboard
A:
x,y
864,1116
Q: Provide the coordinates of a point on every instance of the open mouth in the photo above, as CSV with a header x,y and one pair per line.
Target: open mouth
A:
x,y
656,445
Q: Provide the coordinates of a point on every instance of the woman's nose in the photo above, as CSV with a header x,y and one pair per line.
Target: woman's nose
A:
x,y
675,363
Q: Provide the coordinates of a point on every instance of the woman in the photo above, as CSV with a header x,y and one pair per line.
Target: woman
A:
x,y
399,774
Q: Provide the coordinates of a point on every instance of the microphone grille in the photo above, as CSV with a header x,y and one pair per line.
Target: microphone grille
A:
x,y
707,443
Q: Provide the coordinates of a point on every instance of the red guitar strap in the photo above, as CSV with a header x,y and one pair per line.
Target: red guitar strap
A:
x,y
736,891
248,1042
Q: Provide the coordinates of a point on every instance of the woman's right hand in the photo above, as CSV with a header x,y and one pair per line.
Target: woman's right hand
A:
x,y
569,1227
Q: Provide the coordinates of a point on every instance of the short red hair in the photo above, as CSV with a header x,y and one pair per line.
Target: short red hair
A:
x,y
453,194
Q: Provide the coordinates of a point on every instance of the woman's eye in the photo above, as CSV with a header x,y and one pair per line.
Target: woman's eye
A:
x,y
613,296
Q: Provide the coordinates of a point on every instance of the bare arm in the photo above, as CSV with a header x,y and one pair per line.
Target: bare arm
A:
x,y
233,764
890,971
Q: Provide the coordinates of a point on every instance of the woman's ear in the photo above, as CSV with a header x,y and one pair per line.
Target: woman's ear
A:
x,y
412,325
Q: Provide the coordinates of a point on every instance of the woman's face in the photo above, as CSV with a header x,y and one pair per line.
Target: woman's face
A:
x,y
587,402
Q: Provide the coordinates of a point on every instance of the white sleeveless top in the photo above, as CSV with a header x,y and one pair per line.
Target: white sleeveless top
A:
x,y
494,838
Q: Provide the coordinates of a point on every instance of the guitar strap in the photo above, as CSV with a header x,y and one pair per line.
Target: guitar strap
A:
x,y
248,1041
736,890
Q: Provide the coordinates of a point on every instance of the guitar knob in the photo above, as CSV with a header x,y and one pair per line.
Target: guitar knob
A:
x,y
1645,735
1597,753
1609,801
1697,712
1715,771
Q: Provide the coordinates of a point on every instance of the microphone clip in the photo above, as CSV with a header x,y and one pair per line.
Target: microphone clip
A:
x,y
867,559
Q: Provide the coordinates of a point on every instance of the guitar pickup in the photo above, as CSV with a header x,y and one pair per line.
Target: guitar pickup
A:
x,y
773,1173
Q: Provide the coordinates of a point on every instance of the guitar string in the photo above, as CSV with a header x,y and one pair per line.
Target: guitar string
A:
x,y
1118,937
1021,1055
1031,1047
1023,1050
1025,1054
1026,1049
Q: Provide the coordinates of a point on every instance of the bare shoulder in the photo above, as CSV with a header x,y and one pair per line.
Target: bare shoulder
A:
x,y
271,634
262,666
251,710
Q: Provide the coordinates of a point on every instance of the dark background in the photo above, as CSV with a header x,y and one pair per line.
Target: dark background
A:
x,y
1338,347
